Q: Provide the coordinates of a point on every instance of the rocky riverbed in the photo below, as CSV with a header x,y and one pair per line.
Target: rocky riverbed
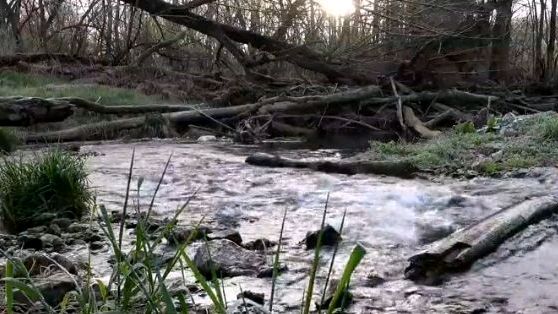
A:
x,y
242,207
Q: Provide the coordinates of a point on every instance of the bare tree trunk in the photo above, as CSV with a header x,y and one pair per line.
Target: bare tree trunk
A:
x,y
551,42
499,59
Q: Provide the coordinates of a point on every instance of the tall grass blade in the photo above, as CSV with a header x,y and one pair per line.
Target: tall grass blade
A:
x,y
354,260
203,282
9,289
315,263
336,248
126,199
276,263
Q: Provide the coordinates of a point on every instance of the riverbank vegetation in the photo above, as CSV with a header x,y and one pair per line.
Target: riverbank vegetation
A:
x,y
507,144
140,280
49,186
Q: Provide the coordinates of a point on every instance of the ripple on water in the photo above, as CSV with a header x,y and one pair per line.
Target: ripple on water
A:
x,y
392,218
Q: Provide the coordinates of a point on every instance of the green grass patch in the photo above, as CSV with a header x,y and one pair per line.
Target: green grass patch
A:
x,y
9,141
532,143
34,85
49,186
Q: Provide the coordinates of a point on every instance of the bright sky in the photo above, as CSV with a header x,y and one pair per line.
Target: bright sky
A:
x,y
337,7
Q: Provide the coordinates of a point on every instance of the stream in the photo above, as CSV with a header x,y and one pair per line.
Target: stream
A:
x,y
391,218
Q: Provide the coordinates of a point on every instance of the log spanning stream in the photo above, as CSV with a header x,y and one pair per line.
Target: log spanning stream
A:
x,y
392,218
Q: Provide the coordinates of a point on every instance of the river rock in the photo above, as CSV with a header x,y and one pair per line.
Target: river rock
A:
x,y
344,301
259,245
37,263
232,235
245,306
51,241
267,271
330,237
182,234
374,280
55,229
207,138
227,259
63,223
249,295
30,241
52,288
77,227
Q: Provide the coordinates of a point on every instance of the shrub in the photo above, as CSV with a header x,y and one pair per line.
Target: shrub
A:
x,y
8,141
52,185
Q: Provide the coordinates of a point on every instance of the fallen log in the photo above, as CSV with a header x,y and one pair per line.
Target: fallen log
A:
x,y
413,122
461,249
13,60
201,116
26,111
400,169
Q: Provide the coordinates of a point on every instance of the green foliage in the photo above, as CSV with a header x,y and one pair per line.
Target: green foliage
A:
x,y
51,185
139,284
548,129
460,150
465,128
9,141
34,85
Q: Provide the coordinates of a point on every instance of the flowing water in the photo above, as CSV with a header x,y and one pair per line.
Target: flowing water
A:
x,y
391,218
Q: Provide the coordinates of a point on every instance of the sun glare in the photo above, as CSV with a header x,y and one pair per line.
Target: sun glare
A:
x,y
337,7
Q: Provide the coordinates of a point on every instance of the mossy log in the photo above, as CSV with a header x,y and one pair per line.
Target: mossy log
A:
x,y
26,111
461,249
400,169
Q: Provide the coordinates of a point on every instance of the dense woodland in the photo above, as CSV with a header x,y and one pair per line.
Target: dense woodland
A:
x,y
443,42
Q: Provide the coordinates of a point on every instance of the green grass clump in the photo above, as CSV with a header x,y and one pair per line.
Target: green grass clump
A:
x,y
49,186
489,153
8,141
35,85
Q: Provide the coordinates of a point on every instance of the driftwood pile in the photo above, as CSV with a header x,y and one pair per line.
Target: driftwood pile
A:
x,y
365,109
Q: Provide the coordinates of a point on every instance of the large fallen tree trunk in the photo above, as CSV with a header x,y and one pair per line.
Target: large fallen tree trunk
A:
x,y
400,169
462,248
26,111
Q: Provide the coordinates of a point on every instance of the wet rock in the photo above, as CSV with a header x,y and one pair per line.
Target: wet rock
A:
x,y
227,259
429,234
344,301
267,272
182,234
456,201
374,280
92,236
330,237
231,235
44,219
36,230
245,306
253,296
30,241
207,138
97,245
55,229
77,227
53,242
63,223
259,245
52,288
38,263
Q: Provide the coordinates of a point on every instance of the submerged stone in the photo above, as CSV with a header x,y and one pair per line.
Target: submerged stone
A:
x,y
227,259
330,237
